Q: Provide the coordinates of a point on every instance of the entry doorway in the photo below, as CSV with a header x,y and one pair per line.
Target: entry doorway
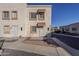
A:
x,y
0,33
14,30
41,32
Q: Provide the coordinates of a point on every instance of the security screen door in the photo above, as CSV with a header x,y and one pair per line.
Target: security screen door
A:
x,y
14,30
0,33
41,32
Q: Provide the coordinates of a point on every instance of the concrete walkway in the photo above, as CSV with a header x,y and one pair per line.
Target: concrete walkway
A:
x,y
42,50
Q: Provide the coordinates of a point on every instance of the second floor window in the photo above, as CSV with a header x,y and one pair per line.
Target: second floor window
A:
x,y
32,16
5,15
14,15
41,16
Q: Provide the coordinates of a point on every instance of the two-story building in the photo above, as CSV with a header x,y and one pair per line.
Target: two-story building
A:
x,y
25,20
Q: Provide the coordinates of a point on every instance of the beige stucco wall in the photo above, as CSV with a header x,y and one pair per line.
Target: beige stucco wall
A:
x,y
34,8
21,9
23,18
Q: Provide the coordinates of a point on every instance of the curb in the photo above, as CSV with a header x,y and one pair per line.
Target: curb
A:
x,y
71,50
67,35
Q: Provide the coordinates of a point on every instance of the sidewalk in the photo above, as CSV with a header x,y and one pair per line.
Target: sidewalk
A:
x,y
39,49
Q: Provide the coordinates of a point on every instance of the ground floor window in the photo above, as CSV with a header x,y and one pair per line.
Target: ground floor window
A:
x,y
74,29
6,29
33,29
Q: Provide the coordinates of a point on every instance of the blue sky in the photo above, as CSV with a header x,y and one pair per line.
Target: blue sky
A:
x,y
63,13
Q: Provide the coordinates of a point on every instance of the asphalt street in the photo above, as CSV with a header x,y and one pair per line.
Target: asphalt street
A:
x,y
69,40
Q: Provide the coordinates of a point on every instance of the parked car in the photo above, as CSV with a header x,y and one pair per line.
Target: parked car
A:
x,y
57,31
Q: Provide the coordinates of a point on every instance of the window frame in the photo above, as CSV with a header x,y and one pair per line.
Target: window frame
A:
x,y
5,15
31,29
74,29
14,17
41,14
32,18
6,27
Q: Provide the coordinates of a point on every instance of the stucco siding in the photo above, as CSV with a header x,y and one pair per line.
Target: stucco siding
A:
x,y
23,23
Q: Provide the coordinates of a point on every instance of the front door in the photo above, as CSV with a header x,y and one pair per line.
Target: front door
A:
x,y
41,32
0,33
14,30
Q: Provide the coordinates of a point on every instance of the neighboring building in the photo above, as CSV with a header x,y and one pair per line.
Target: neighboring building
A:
x,y
72,28
64,28
26,20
